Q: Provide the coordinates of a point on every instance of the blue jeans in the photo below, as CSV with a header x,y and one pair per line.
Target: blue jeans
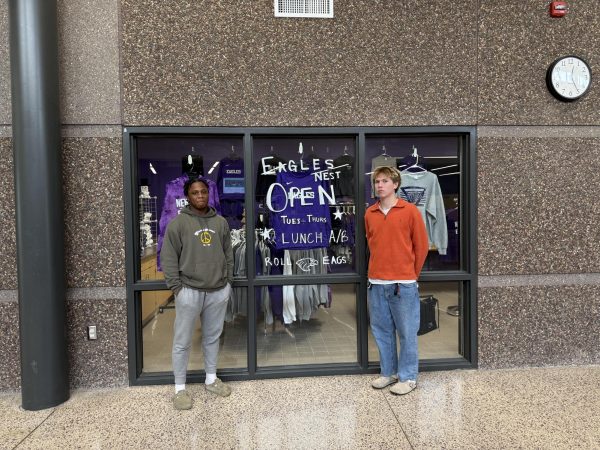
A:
x,y
396,312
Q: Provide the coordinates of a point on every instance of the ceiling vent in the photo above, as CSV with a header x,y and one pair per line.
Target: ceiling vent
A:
x,y
304,8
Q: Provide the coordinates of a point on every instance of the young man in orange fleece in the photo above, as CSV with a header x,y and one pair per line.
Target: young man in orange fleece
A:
x,y
398,246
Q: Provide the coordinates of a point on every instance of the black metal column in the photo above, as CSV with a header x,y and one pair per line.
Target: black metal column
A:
x,y
38,197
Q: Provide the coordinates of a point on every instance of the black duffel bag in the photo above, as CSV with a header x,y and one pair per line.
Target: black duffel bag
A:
x,y
429,307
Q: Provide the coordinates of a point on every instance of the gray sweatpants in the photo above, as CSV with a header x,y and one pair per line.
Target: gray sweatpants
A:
x,y
211,307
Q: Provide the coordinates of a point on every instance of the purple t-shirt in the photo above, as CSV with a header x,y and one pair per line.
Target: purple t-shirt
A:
x,y
299,204
230,179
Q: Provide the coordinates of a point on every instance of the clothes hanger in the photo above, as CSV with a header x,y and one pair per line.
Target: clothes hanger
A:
x,y
233,154
416,165
190,164
309,155
275,156
385,154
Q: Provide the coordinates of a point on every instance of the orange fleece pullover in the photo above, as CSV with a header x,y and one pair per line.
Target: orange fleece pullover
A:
x,y
397,242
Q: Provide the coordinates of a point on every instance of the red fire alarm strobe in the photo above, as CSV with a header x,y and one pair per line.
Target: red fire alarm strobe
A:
x,y
558,9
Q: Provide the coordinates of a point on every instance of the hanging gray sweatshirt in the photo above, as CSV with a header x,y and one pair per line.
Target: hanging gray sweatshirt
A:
x,y
197,252
422,189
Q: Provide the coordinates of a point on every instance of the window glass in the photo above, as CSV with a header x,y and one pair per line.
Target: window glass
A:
x,y
158,317
445,341
164,164
430,179
294,328
305,205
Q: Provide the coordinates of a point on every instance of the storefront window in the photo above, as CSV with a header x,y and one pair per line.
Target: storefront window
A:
x,y
295,328
305,205
164,165
430,168
295,201
158,317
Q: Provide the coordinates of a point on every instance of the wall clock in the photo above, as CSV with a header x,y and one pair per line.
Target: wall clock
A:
x,y
569,78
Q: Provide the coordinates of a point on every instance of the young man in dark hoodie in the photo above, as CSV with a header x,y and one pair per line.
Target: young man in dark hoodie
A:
x,y
197,261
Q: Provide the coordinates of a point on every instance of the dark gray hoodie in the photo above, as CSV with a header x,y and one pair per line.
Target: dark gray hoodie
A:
x,y
197,252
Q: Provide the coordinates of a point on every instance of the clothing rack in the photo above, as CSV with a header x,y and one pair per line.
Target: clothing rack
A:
x,y
348,208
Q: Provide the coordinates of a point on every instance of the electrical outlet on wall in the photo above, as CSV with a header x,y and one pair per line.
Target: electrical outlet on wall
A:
x,y
92,335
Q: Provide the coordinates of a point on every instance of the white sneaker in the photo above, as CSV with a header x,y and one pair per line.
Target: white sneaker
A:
x,y
382,382
403,387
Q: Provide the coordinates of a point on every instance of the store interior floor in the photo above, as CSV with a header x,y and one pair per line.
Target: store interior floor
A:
x,y
330,336
550,408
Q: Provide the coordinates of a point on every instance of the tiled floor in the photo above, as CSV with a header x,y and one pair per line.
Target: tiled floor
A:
x,y
553,408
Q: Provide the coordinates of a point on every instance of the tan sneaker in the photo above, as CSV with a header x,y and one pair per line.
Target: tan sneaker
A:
x,y
382,381
403,387
182,400
219,388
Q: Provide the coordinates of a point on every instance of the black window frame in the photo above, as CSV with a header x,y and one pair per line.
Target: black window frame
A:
x,y
466,275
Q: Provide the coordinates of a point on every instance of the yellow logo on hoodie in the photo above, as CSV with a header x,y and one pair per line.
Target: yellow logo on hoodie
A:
x,y
204,236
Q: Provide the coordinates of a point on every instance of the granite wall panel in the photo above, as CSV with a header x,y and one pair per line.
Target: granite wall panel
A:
x,y
537,205
232,63
89,61
522,326
93,205
102,362
10,357
99,363
88,58
8,236
518,40
5,96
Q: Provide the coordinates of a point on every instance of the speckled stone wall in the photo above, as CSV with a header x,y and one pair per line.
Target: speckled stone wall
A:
x,y
537,233
518,40
99,363
523,326
8,245
5,105
94,253
415,63
93,202
93,182
88,58
10,358
375,63
536,200
232,63
103,362
537,205
95,256
89,61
